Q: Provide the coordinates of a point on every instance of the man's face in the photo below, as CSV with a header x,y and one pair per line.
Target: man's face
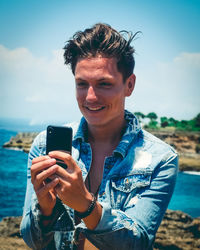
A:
x,y
100,90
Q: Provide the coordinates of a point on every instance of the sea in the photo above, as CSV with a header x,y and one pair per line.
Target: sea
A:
x,y
13,167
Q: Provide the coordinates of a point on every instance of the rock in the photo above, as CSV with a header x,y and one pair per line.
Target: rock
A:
x,y
178,231
9,243
184,142
21,141
189,162
10,237
9,226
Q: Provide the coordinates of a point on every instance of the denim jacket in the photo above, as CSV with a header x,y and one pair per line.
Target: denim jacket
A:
x,y
137,185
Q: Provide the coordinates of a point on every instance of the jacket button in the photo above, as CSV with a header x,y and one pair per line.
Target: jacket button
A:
x,y
127,185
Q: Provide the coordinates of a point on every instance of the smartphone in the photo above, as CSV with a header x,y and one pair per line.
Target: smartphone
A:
x,y
59,138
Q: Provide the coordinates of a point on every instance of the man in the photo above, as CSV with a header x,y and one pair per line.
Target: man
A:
x,y
130,172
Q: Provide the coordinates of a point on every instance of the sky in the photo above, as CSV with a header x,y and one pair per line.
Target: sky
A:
x,y
35,84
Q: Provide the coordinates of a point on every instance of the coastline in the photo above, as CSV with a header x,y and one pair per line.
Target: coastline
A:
x,y
192,172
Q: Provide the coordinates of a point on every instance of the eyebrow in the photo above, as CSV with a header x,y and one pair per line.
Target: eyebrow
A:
x,y
98,80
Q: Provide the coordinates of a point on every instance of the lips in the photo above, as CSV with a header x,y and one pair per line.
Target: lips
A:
x,y
93,109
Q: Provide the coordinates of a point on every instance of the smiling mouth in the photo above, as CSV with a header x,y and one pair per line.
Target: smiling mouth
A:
x,y
95,108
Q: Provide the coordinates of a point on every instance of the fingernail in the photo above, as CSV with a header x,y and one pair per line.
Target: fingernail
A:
x,y
51,160
55,167
56,180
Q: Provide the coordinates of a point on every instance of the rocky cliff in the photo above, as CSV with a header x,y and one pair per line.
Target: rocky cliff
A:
x,y
177,231
187,144
184,142
21,141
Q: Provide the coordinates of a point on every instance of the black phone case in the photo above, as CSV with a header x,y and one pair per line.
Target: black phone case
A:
x,y
59,138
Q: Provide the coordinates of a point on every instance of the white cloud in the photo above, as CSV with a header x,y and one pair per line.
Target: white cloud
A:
x,y
170,89
38,88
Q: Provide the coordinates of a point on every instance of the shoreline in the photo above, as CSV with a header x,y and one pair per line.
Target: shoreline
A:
x,y
191,172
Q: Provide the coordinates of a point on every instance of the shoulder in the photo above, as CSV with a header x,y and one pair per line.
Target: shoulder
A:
x,y
153,151
152,142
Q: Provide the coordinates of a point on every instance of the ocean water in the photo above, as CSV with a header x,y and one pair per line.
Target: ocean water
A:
x,y
12,178
13,184
186,194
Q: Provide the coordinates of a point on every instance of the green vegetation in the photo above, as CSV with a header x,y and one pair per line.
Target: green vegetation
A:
x,y
169,123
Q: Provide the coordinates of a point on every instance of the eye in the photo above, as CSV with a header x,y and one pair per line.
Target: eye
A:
x,y
81,84
105,84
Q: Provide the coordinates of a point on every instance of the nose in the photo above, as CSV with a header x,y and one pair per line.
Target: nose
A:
x,y
91,95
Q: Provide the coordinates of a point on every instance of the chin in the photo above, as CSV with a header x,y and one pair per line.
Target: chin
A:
x,y
94,122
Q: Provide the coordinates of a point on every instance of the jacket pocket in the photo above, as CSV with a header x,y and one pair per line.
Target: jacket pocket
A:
x,y
124,188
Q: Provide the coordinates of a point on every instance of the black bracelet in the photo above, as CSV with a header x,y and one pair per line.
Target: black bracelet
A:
x,y
90,208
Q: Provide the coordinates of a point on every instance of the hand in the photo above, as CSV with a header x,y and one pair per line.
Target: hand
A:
x,y
71,189
42,168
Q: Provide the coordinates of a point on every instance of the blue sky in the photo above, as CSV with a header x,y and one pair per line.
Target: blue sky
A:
x,y
36,85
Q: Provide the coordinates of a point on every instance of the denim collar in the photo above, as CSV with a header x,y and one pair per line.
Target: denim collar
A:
x,y
82,131
132,129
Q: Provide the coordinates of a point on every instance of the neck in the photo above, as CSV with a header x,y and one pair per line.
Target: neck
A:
x,y
111,133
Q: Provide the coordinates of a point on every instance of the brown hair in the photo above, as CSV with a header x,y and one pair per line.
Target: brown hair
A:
x,y
104,40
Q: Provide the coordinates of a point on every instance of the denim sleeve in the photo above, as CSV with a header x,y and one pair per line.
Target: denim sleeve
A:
x,y
30,227
135,227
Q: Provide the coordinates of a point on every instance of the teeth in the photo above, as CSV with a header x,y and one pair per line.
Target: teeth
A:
x,y
95,108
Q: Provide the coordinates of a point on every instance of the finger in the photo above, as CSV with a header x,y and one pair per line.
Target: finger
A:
x,y
45,189
68,178
63,173
67,158
40,158
62,187
39,166
51,178
42,176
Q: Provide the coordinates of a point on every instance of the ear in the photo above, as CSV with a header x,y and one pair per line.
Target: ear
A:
x,y
130,84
